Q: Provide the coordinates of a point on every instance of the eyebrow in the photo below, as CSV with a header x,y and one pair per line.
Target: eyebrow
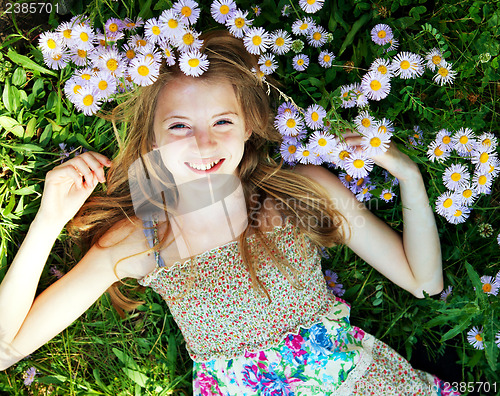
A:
x,y
215,116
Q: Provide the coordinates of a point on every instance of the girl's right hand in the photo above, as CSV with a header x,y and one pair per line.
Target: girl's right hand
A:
x,y
68,186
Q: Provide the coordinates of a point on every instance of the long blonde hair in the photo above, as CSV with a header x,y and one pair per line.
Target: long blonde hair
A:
x,y
260,175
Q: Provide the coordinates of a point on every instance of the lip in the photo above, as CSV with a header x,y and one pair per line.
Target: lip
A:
x,y
205,172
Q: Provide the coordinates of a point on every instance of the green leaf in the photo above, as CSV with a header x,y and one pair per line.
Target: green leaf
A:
x,y
82,141
125,359
46,135
25,191
9,207
354,29
28,63
416,11
38,87
457,329
30,129
19,77
11,125
476,282
136,376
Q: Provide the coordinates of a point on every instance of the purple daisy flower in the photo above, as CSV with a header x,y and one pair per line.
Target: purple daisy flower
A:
x,y
332,283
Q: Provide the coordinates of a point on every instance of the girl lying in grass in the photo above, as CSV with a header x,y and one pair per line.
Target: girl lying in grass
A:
x,y
196,209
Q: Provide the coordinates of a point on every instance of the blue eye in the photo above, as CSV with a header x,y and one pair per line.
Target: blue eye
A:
x,y
178,126
223,122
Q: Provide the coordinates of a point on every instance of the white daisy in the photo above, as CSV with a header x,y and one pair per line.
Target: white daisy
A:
x,y
287,107
340,153
281,42
129,51
444,139
256,40
238,23
112,61
361,98
304,155
289,124
87,101
358,164
65,29
326,58
494,167
51,42
83,76
267,63
436,153
72,88
445,75
481,182
150,51
113,25
463,140
316,36
487,139
193,63
376,86
394,44
482,157
83,36
467,195
137,41
383,66
447,203
322,142
300,62
475,338
143,70
407,65
311,6
130,24
104,84
348,96
167,52
364,194
188,9
288,150
79,56
434,58
364,121
57,60
314,116
301,27
107,39
381,34
171,24
460,215
375,143
188,40
456,176
387,195
152,30
221,10
384,126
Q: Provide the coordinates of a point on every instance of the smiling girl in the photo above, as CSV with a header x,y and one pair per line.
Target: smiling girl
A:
x,y
236,239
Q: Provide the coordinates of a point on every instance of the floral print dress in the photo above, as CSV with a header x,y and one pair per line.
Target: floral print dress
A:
x,y
298,342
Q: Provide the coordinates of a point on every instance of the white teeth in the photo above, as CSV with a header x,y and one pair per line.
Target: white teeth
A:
x,y
203,167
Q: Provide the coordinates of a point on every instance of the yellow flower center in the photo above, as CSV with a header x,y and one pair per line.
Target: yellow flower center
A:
x,y
82,53
443,71
84,37
194,62
188,39
113,27
438,152
486,142
456,176
448,202
143,70
130,25
186,11
292,149
467,193
156,30
366,122
257,40
326,58
405,65
482,179
102,85
130,54
457,213
360,181
343,155
483,158
85,76
317,36
478,337
375,85
463,139
280,41
77,88
304,26
381,34
167,52
306,153
141,42
67,33
322,142
387,195
172,23
375,142
88,100
436,59
315,116
311,2
291,123
382,129
358,163
112,64
239,22
57,57
51,43
382,69
224,9
268,63
300,62
486,289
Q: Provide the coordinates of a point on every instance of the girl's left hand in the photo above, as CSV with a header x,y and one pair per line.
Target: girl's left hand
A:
x,y
393,160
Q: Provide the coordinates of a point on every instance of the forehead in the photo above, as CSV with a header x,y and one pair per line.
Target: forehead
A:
x,y
190,94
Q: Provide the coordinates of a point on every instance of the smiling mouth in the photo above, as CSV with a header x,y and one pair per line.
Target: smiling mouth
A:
x,y
205,168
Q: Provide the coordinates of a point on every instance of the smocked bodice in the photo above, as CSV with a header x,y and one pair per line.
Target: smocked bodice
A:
x,y
218,312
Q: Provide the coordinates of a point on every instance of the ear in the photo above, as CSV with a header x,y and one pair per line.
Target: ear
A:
x,y
248,133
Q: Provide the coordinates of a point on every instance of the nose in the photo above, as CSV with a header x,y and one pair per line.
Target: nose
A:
x,y
205,141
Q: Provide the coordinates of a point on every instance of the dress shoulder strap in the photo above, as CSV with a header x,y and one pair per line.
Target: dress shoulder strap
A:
x,y
150,228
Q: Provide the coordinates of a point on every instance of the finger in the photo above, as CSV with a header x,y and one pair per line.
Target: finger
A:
x,y
101,158
353,140
88,164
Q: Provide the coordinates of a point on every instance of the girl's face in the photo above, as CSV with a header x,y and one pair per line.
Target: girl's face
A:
x,y
199,128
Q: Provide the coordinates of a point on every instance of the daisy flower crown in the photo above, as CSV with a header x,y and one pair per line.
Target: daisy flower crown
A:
x,y
128,53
